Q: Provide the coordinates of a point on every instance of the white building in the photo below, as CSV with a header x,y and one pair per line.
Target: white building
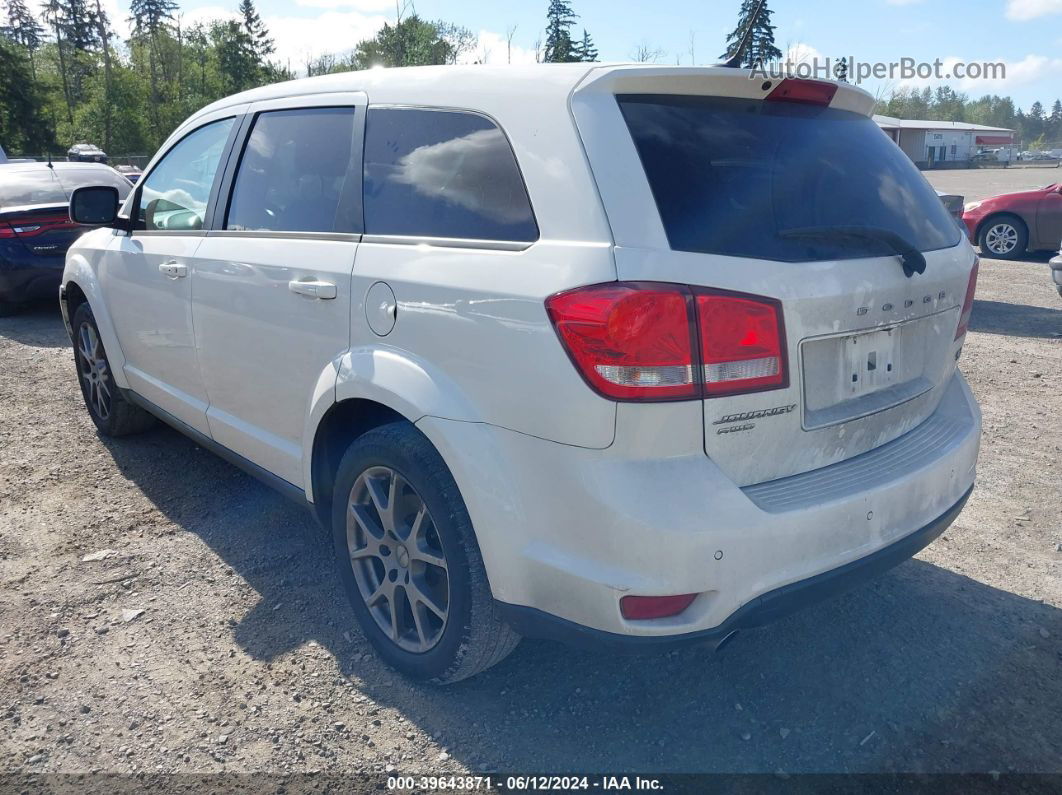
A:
x,y
931,144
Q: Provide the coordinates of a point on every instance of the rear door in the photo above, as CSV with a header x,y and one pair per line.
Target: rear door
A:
x,y
799,202
271,301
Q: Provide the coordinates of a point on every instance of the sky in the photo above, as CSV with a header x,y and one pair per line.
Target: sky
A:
x,y
1026,35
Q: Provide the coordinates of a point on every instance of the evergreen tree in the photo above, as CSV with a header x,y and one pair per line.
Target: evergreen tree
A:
x,y
21,119
585,49
150,17
559,45
261,42
760,48
237,59
24,29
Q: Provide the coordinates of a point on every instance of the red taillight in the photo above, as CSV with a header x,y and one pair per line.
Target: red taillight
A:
x,y
806,92
629,340
967,304
654,341
32,225
641,608
742,343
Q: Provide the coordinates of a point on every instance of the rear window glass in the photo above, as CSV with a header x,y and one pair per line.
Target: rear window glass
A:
x,y
80,177
433,173
748,178
22,187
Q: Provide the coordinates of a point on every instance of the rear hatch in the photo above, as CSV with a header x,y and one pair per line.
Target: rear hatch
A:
x,y
786,191
34,211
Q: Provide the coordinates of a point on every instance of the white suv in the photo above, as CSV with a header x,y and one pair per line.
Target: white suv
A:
x,y
623,355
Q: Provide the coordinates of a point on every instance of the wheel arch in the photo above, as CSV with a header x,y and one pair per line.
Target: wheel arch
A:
x,y
80,286
342,423
995,216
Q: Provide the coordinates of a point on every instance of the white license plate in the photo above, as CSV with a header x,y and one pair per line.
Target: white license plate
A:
x,y
870,361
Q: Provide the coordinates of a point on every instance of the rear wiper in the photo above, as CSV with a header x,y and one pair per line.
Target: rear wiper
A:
x,y
911,257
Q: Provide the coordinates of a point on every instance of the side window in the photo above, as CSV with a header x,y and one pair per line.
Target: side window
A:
x,y
434,173
176,192
298,173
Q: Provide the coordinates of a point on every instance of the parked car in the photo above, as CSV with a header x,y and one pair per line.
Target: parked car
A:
x,y
1056,270
131,173
1007,226
548,350
35,228
86,153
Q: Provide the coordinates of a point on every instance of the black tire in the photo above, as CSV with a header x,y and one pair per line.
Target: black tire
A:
x,y
112,413
988,236
9,308
473,637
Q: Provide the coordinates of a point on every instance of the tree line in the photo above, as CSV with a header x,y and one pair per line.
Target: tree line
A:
x,y
1037,127
67,77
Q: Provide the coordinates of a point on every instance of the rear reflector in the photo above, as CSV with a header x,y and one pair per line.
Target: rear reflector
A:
x,y
967,304
641,608
742,342
656,341
806,92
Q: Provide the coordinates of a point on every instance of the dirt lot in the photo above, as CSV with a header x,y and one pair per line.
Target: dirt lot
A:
x,y
245,658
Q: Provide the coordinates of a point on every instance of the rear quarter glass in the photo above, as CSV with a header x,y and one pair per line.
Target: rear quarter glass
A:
x,y
729,175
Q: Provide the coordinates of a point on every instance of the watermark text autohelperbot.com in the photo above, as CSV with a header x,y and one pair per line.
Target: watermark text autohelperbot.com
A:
x,y
904,69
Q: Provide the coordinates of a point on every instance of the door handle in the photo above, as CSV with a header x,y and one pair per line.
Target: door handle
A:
x,y
173,269
322,290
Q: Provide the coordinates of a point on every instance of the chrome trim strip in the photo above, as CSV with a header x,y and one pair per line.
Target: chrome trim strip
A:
x,y
343,237
448,242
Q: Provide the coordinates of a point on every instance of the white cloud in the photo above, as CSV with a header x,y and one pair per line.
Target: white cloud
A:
x,y
1029,70
1024,10
803,53
365,6
300,38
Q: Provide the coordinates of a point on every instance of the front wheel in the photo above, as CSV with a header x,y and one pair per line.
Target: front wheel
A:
x,y
1004,237
409,561
110,411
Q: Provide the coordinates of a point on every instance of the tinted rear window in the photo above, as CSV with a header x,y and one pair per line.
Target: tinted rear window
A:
x,y
433,173
37,186
80,177
22,186
733,176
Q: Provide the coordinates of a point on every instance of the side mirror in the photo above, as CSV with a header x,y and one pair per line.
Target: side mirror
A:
x,y
94,205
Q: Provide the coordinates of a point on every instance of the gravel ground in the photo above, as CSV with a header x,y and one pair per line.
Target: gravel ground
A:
x,y
160,611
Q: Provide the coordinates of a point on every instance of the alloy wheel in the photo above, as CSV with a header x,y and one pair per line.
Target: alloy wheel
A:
x,y
92,365
397,559
1001,238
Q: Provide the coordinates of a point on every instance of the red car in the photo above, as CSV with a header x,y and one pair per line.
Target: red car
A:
x,y
1007,226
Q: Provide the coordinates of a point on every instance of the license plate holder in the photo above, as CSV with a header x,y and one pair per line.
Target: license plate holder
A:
x,y
870,361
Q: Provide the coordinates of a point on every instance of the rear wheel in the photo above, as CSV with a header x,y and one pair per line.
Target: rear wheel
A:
x,y
112,413
1004,237
9,308
409,560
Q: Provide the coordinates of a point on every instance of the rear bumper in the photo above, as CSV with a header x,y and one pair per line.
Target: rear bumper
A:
x,y
30,282
764,609
569,531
